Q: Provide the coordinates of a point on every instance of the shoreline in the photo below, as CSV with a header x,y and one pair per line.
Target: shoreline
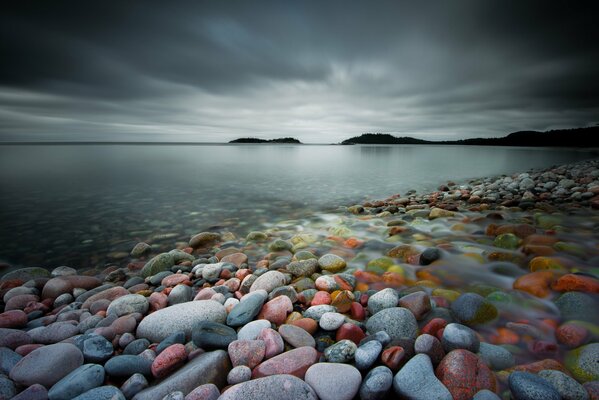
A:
x,y
486,282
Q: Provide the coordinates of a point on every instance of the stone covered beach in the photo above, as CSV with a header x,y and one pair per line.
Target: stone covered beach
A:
x,y
480,290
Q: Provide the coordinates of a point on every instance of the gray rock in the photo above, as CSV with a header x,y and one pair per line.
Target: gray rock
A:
x,y
47,365
485,395
101,393
63,299
472,308
177,337
156,280
341,352
63,271
211,272
251,330
209,391
331,321
303,267
161,262
136,280
269,281
246,310
367,354
296,336
128,304
431,346
84,378
135,384
7,388
274,387
180,294
241,373
26,274
332,381
136,347
211,367
180,317
385,298
376,384
331,262
417,381
527,386
33,392
566,386
496,357
316,312
380,336
97,349
140,249
212,335
397,322
575,306
54,333
457,336
8,359
124,366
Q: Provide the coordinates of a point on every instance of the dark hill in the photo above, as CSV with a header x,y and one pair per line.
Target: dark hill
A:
x,y
256,140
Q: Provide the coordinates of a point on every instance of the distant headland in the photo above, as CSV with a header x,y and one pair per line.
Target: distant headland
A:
x,y
286,140
576,137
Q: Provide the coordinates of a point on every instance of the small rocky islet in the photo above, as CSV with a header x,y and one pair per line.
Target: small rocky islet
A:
x,y
482,290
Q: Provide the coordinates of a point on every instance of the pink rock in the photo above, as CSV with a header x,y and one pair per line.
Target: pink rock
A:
x,y
205,294
208,391
138,288
273,342
106,331
236,258
174,280
27,348
321,297
157,301
276,310
246,352
110,294
13,319
294,362
168,360
418,303
232,284
20,301
100,305
13,338
124,324
350,332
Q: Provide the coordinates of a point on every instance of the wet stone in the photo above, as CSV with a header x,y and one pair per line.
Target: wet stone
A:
x,y
376,384
271,388
472,309
79,381
241,373
385,298
136,347
367,354
126,365
246,310
212,335
97,349
456,336
341,352
527,386
332,381
567,387
135,384
417,381
295,336
397,322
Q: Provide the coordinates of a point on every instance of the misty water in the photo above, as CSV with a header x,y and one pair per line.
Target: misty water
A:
x,y
86,205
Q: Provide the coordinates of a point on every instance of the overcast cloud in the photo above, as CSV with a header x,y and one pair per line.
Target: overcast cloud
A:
x,y
320,71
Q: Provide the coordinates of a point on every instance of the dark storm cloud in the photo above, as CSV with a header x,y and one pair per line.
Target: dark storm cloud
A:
x,y
319,71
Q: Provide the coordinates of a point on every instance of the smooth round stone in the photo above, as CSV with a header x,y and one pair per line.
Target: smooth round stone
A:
x,y
211,272
333,381
161,262
397,322
101,393
47,365
13,319
567,387
112,293
303,267
208,391
294,362
367,354
180,317
63,271
496,357
97,349
376,384
8,359
331,321
429,255
417,381
84,378
315,312
456,336
135,384
169,360
63,299
341,352
177,337
273,342
33,392
246,352
332,263
276,387
472,309
380,336
385,298
269,281
485,395
212,335
431,346
575,306
582,362
136,347
419,303
128,304
54,333
296,336
246,310
126,365
180,294
351,332
26,274
276,310
7,388
174,396
241,373
527,386
252,329
464,374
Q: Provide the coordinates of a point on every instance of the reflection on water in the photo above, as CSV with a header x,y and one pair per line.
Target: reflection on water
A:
x,y
74,204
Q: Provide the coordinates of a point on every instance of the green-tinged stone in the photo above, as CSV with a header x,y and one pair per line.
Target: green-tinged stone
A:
x,y
499,297
332,263
447,294
256,236
379,265
357,209
403,252
473,309
26,274
570,248
546,221
304,255
342,231
180,255
161,262
483,289
577,305
280,245
396,222
507,241
302,284
583,362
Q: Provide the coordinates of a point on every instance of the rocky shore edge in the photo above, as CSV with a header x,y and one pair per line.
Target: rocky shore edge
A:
x,y
483,290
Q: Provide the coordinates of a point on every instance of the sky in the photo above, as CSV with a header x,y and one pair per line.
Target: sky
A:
x,y
320,71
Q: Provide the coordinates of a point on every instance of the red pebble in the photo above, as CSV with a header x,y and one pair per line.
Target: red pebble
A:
x,y
169,360
572,335
27,348
464,374
321,297
13,319
364,299
543,348
433,326
350,332
357,312
393,357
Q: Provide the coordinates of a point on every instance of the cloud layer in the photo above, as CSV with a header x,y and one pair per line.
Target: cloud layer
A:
x,y
319,71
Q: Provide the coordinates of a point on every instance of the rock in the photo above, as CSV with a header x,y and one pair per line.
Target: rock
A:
x,y
385,298
8,359
252,330
241,373
246,310
101,393
376,384
276,387
294,362
417,381
54,333
527,386
179,294
13,319
84,378
209,391
332,263
111,294
136,347
472,308
273,342
177,337
180,317
210,367
169,360
367,354
341,352
246,352
161,262
507,241
269,281
135,384
582,362
457,336
128,304
140,249
13,338
124,366
97,349
419,303
333,381
567,387
7,388
303,267
33,392
574,306
496,357
431,346
295,336
203,239
315,312
47,365
209,335
485,395
26,274
397,322
276,310
429,256
440,213
464,374
351,332
331,321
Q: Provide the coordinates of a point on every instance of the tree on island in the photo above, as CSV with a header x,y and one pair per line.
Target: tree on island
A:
x,y
287,140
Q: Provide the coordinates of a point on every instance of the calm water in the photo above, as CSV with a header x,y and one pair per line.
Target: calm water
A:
x,y
83,205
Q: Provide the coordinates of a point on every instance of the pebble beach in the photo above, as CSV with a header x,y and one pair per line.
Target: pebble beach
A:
x,y
487,289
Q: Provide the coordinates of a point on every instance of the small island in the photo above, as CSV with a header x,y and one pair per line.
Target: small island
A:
x,y
287,140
